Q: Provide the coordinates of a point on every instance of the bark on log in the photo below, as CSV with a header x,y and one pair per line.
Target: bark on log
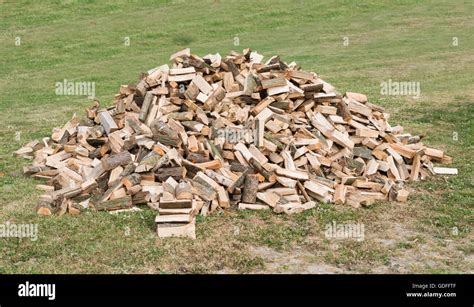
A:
x,y
114,204
115,160
238,182
259,168
250,189
139,198
176,172
164,134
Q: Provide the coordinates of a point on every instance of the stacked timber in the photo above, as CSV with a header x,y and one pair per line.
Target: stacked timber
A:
x,y
212,132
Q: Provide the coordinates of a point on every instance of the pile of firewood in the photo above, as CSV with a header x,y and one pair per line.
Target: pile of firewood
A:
x,y
213,132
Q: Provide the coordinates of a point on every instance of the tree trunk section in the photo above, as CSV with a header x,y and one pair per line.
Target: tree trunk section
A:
x,y
249,194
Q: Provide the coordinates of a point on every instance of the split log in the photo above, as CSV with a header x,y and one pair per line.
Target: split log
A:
x,y
107,122
119,159
250,189
176,173
183,191
114,204
164,134
146,106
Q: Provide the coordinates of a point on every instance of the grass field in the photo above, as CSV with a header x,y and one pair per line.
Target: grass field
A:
x,y
430,42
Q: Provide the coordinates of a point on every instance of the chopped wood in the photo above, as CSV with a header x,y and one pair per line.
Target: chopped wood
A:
x,y
402,195
115,204
169,143
176,172
393,168
112,161
107,122
369,133
223,197
269,198
340,194
356,96
445,171
434,153
174,218
246,206
292,174
147,102
250,189
182,53
371,167
202,84
181,71
317,188
186,230
292,208
163,211
44,210
176,204
275,82
181,78
183,191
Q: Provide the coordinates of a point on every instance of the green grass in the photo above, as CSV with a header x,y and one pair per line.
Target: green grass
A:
x,y
398,40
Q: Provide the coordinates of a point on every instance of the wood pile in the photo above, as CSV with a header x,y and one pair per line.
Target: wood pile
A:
x,y
209,133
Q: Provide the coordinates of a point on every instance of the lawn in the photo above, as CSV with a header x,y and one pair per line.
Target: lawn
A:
x,y
354,45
